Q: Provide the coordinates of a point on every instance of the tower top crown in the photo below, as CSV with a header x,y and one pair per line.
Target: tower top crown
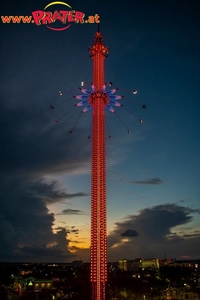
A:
x,y
98,46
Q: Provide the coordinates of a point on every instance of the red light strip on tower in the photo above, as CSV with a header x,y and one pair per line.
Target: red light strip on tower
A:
x,y
98,213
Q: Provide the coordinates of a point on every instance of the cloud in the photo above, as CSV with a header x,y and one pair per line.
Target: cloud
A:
x,y
124,179
129,233
82,253
71,212
56,251
75,231
155,228
148,181
41,148
26,224
51,191
180,201
191,235
33,150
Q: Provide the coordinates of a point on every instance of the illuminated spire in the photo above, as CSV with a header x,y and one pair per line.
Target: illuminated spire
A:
x,y
98,99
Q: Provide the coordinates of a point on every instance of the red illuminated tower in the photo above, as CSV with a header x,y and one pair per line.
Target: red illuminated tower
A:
x,y
98,99
98,256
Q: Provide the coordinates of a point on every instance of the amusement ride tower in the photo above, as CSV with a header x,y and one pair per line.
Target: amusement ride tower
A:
x,y
98,99
98,256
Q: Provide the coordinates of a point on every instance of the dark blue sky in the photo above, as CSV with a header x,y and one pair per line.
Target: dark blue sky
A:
x,y
153,173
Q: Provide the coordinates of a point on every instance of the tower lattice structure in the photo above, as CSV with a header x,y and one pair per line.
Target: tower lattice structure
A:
x,y
98,254
98,99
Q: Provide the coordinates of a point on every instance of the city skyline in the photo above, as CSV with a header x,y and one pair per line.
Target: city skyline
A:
x,y
153,172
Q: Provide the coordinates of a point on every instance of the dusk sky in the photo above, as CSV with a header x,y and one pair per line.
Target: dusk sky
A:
x,y
153,172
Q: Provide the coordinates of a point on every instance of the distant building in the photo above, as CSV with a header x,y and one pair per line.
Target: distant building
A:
x,y
150,263
139,263
37,285
123,264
